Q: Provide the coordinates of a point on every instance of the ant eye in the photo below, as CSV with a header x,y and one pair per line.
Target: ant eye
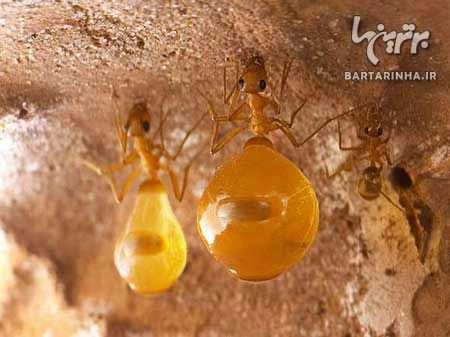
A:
x,y
145,126
262,84
366,130
241,83
379,131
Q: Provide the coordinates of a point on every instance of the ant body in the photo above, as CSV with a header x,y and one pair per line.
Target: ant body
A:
x,y
151,253
372,148
259,95
153,158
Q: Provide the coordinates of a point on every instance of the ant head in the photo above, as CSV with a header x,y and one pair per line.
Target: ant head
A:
x,y
139,120
372,126
369,186
254,78
373,130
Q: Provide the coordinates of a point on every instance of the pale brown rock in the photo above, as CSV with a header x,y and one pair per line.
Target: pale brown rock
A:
x,y
363,275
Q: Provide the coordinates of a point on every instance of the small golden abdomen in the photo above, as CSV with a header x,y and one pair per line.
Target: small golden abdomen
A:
x,y
151,253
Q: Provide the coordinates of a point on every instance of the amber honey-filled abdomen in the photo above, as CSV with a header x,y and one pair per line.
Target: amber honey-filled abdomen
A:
x,y
259,214
151,253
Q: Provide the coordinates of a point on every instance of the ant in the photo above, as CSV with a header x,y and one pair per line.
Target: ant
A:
x,y
372,147
253,83
151,253
153,158
421,218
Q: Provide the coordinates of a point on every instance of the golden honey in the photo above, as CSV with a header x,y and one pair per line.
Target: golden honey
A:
x,y
259,214
151,253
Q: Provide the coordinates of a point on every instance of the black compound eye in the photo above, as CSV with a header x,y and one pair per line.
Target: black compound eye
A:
x,y
146,126
241,83
379,131
366,130
262,84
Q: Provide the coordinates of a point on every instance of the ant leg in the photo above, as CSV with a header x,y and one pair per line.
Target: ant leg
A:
x,y
212,110
294,114
216,147
118,196
276,106
391,201
121,135
388,158
284,127
175,185
179,193
186,137
237,92
162,120
346,166
106,171
341,147
225,84
234,94
327,172
109,170
324,124
275,101
236,115
386,140
286,70
160,130
119,126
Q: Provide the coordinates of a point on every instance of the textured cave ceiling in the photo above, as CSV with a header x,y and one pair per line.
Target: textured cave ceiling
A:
x,y
363,275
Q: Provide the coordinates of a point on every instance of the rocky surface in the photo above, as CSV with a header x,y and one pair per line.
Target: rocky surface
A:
x,y
362,277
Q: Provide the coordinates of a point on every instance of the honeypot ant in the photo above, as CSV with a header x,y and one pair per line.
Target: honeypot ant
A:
x,y
153,158
253,83
372,147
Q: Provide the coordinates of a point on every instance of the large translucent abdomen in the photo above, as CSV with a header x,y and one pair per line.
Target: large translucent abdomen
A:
x,y
151,253
259,214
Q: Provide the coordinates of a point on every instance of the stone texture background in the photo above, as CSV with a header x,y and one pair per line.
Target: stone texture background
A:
x,y
362,277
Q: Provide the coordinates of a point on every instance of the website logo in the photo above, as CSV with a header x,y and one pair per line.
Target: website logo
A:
x,y
393,40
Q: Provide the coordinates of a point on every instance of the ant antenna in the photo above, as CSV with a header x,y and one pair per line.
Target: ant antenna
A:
x,y
233,88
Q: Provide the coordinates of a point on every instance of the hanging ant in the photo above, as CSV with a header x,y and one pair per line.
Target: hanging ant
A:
x,y
372,148
253,83
153,158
